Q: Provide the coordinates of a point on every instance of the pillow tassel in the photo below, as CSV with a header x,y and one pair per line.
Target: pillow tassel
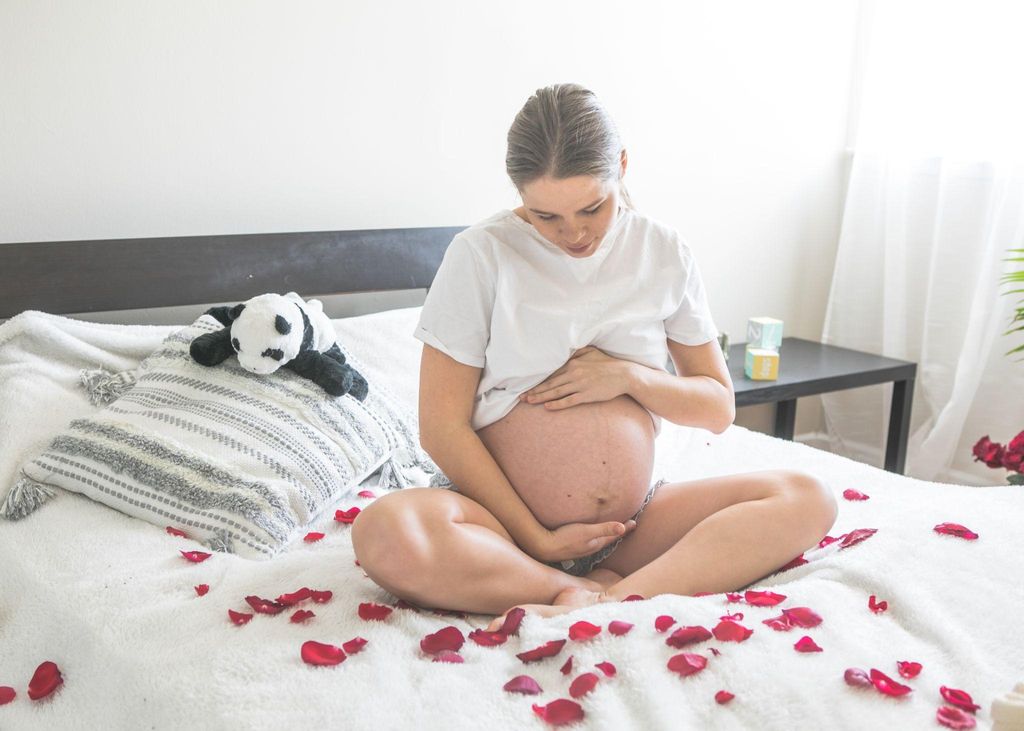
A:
x,y
221,542
391,478
22,499
104,386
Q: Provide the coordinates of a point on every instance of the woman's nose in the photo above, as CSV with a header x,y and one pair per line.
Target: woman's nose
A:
x,y
575,238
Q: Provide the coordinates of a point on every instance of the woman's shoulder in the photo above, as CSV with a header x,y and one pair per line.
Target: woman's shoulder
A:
x,y
658,237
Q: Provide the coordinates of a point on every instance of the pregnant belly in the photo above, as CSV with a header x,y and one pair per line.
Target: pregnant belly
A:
x,y
585,464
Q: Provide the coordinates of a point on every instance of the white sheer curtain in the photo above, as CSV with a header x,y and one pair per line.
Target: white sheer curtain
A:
x,y
935,200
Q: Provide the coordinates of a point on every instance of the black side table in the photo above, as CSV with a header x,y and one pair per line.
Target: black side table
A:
x,y
807,368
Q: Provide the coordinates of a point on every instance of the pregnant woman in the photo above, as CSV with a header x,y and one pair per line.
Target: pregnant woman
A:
x,y
542,388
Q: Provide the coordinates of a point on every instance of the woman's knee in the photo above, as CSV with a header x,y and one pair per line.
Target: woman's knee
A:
x,y
391,536
813,498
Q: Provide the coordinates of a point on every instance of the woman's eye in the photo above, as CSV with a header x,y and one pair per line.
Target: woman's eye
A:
x,y
590,212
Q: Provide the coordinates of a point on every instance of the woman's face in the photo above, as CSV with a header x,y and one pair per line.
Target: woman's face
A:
x,y
572,213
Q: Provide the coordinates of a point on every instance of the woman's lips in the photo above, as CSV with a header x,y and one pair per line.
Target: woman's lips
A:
x,y
580,248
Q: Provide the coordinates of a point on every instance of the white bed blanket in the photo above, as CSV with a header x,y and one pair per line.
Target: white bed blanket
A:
x,y
111,601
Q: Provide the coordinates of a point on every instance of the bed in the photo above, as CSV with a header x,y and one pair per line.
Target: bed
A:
x,y
110,600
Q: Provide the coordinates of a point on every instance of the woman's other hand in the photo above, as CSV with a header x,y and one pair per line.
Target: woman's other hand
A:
x,y
575,540
589,375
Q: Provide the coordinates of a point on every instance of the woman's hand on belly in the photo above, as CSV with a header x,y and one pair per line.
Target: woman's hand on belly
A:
x,y
575,540
589,376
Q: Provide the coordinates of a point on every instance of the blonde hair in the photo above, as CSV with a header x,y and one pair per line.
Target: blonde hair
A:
x,y
563,131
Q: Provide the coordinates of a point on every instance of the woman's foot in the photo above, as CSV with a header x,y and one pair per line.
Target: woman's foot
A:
x,y
566,601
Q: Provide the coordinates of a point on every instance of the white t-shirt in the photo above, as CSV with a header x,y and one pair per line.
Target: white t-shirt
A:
x,y
507,300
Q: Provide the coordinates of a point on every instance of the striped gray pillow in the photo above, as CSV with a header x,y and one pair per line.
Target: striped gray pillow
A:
x,y
240,461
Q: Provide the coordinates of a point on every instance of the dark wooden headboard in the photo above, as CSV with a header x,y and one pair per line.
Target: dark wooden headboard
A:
x,y
121,274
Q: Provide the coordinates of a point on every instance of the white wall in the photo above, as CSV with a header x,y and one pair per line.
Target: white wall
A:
x,y
141,118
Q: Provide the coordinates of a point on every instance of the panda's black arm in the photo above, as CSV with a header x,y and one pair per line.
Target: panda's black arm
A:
x,y
212,348
222,315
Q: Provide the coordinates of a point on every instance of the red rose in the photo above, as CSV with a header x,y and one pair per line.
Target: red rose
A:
x,y
1012,460
1017,443
989,452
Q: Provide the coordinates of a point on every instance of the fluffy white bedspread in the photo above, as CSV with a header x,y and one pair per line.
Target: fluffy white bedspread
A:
x,y
111,601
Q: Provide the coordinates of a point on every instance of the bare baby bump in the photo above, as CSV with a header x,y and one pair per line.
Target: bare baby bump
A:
x,y
585,464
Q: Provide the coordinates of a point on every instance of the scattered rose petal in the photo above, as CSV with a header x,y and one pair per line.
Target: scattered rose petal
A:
x,y
523,684
313,537
7,694
448,656
176,532
583,684
366,493
729,631
302,615
616,627
954,718
560,712
854,495
239,618
607,668
687,636
196,556
45,680
318,653
826,541
663,622
908,669
779,624
295,597
731,597
806,644
583,630
486,638
370,610
955,529
857,678
763,598
686,663
856,536
887,685
354,645
202,589
320,596
264,606
959,698
802,617
512,621
798,561
566,666
877,607
633,598
446,638
723,696
403,604
548,649
346,516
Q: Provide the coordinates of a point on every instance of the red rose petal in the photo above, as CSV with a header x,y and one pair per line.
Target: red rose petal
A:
x,y
302,615
908,669
857,678
686,663
583,630
523,684
826,541
806,644
566,666
295,597
448,656
196,556
484,638
560,712
723,696
763,598
403,604
239,618
856,536
7,694
779,624
955,529
548,649
346,516
798,561
202,589
512,621
313,537
954,718
802,617
959,698
735,617
176,532
616,627
733,597
45,680
583,684
354,645
887,685
607,668
687,636
854,495
663,622
320,596
264,606
318,653
370,610
447,638
729,631
877,607
633,598
366,493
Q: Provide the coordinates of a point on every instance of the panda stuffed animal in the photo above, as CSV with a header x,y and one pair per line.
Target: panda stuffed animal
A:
x,y
271,331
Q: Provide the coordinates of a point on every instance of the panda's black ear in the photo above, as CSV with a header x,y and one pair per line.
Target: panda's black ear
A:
x,y
235,311
283,326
